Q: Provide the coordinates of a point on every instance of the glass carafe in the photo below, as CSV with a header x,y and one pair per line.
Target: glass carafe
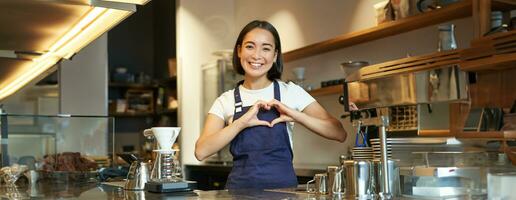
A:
x,y
165,168
447,37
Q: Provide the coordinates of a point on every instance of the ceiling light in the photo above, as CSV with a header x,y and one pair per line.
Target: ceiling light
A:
x,y
139,2
98,21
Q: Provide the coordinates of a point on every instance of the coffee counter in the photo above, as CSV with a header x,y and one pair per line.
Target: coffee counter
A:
x,y
99,191
213,176
109,191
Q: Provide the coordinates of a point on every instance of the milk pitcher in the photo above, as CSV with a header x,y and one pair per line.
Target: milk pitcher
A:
x,y
357,178
320,184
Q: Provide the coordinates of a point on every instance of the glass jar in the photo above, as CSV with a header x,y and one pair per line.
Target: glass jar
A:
x,y
447,37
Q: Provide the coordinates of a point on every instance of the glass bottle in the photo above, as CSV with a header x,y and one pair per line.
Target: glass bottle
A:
x,y
447,37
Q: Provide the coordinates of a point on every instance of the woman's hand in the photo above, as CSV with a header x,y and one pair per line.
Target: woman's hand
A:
x,y
250,118
284,111
352,106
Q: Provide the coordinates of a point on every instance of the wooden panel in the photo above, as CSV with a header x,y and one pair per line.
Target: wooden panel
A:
x,y
411,64
496,62
455,11
494,89
336,89
434,133
494,52
481,17
488,135
458,116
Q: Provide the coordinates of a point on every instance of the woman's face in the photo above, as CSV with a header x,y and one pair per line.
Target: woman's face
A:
x,y
257,52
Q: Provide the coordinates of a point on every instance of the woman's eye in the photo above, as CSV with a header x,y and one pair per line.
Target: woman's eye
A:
x,y
249,46
266,49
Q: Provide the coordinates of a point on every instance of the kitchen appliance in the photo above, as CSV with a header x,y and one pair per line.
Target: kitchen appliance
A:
x,y
165,176
218,76
415,103
406,98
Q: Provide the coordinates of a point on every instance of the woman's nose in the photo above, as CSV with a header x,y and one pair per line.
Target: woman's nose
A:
x,y
256,54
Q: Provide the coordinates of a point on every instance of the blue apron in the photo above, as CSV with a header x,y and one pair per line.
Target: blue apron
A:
x,y
262,156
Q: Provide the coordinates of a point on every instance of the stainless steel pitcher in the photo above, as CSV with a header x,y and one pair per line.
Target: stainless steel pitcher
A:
x,y
394,177
138,175
358,177
320,184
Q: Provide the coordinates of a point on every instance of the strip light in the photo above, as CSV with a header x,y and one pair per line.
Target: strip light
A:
x,y
92,15
139,2
95,23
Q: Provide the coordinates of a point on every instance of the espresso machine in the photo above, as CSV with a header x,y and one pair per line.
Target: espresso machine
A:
x,y
400,110
166,175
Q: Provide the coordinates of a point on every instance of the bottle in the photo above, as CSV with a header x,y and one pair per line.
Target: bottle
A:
x,y
447,37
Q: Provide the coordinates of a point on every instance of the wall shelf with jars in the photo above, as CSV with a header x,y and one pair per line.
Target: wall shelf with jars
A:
x,y
453,11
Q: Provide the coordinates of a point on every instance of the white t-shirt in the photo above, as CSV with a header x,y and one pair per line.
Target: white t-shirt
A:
x,y
291,95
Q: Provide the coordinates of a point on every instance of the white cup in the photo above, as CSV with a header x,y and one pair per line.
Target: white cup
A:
x,y
166,136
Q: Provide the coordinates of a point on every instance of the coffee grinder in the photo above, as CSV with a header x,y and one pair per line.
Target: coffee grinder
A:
x,y
166,171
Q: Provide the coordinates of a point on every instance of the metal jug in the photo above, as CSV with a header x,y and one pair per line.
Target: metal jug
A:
x,y
335,180
138,175
320,184
357,176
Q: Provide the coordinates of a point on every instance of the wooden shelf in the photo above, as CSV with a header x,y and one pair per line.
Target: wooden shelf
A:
x,y
404,65
493,52
455,11
487,135
495,62
336,89
411,64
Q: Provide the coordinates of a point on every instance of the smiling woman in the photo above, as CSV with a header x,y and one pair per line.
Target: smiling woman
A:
x,y
257,117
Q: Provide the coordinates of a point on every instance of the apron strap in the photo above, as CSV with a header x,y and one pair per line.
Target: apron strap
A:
x,y
238,99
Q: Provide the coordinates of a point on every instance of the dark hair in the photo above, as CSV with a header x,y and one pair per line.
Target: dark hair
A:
x,y
277,66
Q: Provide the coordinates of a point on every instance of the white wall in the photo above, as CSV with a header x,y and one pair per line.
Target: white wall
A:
x,y
202,28
84,91
83,80
300,23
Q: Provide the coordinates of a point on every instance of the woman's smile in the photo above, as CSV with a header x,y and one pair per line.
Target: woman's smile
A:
x,y
256,65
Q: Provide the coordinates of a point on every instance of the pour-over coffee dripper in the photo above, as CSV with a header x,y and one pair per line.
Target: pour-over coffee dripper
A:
x,y
165,164
165,136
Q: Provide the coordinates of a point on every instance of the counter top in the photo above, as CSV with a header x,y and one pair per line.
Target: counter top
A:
x,y
104,191
100,191
300,170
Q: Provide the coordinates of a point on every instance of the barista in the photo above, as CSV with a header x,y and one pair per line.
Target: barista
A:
x,y
258,115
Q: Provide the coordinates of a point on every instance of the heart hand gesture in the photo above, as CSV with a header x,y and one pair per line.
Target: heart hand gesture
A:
x,y
284,111
250,118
